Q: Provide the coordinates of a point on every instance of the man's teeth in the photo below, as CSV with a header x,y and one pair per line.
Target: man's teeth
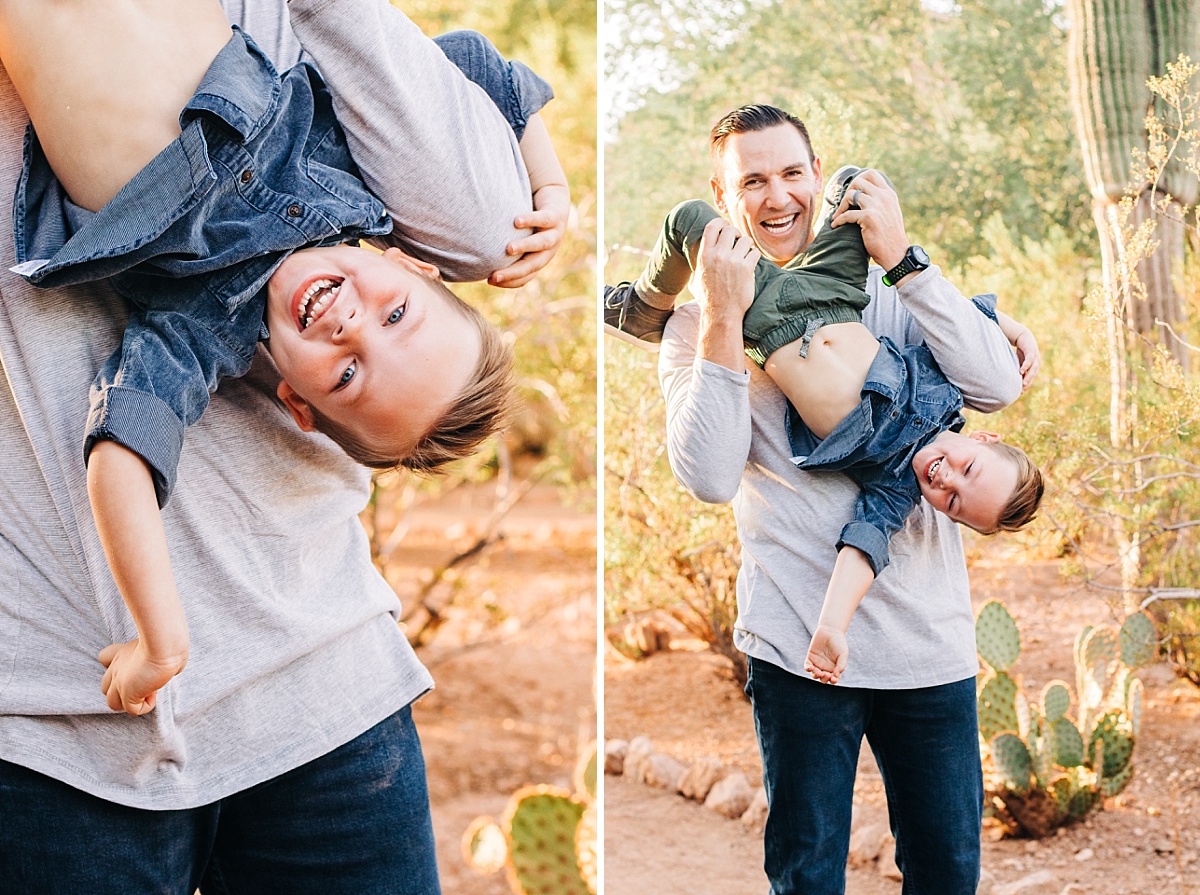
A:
x,y
323,292
933,468
779,223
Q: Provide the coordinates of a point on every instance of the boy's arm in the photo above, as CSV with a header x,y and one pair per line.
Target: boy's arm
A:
x,y
551,205
131,532
1021,337
829,649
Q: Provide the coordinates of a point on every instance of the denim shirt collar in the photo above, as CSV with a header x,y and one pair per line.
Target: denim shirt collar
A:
x,y
237,89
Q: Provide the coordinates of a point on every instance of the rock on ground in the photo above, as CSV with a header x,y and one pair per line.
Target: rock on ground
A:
x,y
700,778
614,756
754,818
730,796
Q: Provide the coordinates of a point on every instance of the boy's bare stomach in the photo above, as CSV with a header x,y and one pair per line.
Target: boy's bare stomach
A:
x,y
104,81
826,385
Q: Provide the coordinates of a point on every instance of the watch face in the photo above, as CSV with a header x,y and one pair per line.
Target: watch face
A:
x,y
920,255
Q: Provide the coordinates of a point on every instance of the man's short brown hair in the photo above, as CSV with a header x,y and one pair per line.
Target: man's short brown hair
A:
x,y
1022,505
744,120
479,411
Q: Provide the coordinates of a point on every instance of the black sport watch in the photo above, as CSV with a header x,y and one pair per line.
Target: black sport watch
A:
x,y
916,258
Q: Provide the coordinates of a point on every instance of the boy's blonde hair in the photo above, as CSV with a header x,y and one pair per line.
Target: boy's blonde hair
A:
x,y
479,411
1022,505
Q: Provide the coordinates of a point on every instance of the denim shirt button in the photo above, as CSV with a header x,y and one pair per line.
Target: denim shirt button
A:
x,y
247,175
295,211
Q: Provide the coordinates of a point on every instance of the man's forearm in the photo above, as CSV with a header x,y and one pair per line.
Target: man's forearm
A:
x,y
131,532
708,413
971,350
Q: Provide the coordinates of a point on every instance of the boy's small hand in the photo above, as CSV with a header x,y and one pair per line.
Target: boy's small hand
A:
x,y
1029,356
548,220
133,678
827,654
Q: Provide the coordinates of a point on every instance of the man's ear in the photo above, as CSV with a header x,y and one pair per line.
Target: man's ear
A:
x,y
985,437
718,191
298,407
424,268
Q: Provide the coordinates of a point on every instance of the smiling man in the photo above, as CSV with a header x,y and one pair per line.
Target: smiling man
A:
x,y
911,690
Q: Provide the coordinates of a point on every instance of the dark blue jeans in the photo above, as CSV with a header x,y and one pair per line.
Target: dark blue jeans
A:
x,y
926,745
355,821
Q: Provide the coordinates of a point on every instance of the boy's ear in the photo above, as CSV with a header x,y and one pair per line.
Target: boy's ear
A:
x,y
424,268
985,437
298,407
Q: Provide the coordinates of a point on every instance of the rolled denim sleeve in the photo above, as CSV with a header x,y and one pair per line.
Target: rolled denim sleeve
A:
x,y
516,90
156,384
880,511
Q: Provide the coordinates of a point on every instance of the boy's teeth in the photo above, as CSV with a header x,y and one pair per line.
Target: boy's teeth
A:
x,y
322,291
933,468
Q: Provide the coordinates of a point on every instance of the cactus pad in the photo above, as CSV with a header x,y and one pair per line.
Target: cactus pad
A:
x,y
1133,706
1012,761
1068,744
1114,785
585,773
586,847
484,847
1137,640
996,636
1112,729
1056,699
997,705
541,823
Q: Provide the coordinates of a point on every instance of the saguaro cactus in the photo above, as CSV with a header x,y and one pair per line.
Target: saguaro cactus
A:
x,y
1044,769
1114,46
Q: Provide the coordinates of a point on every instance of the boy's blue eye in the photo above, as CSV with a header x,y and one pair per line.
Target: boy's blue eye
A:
x,y
347,375
396,314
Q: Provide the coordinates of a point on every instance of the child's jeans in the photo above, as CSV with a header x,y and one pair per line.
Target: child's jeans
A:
x,y
353,822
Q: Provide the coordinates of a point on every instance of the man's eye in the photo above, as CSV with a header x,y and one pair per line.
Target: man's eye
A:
x,y
347,375
396,314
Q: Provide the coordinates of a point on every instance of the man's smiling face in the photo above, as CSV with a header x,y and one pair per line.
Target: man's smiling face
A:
x,y
771,189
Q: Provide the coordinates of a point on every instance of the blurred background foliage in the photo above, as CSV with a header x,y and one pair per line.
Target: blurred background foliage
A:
x,y
551,321
966,107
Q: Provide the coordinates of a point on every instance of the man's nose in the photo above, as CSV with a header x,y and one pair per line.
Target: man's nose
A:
x,y
777,194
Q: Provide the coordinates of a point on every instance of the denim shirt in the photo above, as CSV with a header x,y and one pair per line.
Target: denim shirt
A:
x,y
260,170
906,403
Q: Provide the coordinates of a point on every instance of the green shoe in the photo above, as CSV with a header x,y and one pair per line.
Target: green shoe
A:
x,y
630,319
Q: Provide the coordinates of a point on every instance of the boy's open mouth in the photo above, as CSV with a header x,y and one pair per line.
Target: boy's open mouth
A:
x,y
314,300
932,468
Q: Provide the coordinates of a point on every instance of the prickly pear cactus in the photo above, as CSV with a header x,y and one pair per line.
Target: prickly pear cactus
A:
x,y
541,823
996,636
546,839
1044,769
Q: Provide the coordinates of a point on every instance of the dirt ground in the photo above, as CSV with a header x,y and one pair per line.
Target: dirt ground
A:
x,y
1147,840
514,659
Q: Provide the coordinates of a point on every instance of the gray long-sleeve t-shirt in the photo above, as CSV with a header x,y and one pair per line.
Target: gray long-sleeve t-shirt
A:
x,y
726,441
295,648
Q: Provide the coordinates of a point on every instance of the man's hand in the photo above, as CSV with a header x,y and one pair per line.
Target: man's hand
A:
x,y
548,220
878,214
133,677
826,659
724,288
